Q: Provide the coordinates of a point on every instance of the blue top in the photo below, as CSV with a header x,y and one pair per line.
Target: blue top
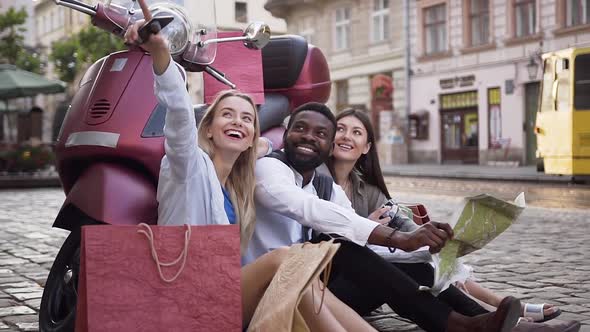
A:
x,y
229,207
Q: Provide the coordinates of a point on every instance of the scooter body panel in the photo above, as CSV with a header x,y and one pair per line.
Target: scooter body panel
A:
x,y
111,132
112,194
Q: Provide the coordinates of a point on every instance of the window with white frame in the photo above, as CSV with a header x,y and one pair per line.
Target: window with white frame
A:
x,y
435,29
46,23
380,20
525,18
241,11
495,117
577,12
341,95
479,19
341,28
54,19
306,29
61,16
39,26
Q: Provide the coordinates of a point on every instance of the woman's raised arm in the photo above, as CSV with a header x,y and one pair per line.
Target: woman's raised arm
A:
x,y
180,128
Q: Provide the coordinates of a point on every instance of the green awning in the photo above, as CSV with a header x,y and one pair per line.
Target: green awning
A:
x,y
17,83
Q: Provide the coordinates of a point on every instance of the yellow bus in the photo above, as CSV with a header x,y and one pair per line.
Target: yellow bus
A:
x,y
563,117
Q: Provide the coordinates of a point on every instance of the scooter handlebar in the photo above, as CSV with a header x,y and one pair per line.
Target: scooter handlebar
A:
x,y
77,5
102,16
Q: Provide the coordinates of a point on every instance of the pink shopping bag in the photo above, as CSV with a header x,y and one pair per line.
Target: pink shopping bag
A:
x,y
122,288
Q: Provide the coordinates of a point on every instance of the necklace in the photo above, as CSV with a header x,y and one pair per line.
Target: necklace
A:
x,y
346,186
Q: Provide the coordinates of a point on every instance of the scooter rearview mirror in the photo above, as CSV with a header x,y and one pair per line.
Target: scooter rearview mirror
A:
x,y
257,35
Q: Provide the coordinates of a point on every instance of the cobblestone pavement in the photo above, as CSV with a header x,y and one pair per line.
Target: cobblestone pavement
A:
x,y
555,195
543,258
28,246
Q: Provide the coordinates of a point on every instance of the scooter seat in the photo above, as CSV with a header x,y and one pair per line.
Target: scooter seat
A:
x,y
200,110
274,111
282,60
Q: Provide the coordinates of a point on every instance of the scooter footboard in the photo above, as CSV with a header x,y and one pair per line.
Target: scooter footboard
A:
x,y
109,193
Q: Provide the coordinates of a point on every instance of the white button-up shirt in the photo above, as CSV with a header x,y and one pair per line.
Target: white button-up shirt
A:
x,y
283,206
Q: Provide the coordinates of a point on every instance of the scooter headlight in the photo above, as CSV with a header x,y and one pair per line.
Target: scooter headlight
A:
x,y
178,31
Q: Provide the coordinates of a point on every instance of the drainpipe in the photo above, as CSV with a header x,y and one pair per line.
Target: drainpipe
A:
x,y
407,71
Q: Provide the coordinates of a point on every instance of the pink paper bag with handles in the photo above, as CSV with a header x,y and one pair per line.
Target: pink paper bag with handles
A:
x,y
162,278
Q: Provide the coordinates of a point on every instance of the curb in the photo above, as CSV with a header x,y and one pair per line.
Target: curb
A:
x,y
21,182
486,177
484,173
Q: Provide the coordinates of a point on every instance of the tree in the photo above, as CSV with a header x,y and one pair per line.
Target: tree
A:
x,y
12,47
73,54
30,59
96,43
65,57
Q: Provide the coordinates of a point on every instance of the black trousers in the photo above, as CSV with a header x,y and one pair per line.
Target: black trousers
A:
x,y
364,281
423,274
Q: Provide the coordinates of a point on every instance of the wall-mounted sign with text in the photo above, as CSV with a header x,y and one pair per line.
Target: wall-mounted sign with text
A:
x,y
457,82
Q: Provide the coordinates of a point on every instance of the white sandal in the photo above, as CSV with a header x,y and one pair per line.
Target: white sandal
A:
x,y
536,312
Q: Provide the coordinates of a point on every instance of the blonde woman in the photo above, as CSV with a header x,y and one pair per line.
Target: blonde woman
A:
x,y
207,177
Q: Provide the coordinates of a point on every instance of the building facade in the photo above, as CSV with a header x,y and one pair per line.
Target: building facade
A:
x,y
364,43
475,75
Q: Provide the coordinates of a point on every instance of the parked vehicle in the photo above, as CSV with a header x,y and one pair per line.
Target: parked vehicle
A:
x,y
563,116
111,142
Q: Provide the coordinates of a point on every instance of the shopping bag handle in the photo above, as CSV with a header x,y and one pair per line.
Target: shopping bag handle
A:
x,y
147,231
326,272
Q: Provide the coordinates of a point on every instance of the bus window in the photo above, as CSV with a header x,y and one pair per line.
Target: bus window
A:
x,y
563,89
547,86
582,82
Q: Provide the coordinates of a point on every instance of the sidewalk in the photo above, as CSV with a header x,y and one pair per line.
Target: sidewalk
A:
x,y
43,179
473,172
527,173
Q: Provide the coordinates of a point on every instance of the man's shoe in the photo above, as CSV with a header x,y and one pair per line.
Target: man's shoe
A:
x,y
505,317
502,320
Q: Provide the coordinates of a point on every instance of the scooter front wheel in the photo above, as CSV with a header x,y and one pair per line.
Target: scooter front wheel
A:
x,y
58,304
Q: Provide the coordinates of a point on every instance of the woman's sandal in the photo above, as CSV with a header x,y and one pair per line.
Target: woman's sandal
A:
x,y
537,312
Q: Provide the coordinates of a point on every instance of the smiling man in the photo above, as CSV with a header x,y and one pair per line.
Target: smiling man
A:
x,y
284,193
287,205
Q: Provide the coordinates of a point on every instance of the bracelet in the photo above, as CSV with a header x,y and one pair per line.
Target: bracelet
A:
x,y
389,240
270,147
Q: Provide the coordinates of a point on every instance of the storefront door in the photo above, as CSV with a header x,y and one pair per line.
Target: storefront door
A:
x,y
459,128
460,136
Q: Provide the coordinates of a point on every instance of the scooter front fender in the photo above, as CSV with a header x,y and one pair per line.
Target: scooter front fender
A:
x,y
109,193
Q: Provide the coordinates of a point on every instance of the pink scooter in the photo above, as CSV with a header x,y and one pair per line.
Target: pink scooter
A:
x,y
111,141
